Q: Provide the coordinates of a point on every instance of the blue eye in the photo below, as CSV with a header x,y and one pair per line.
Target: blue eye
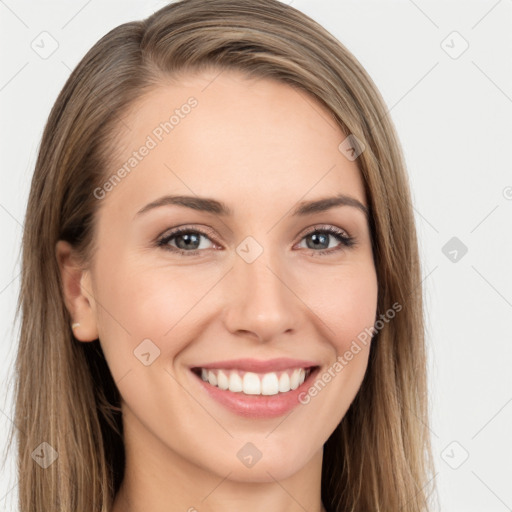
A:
x,y
188,240
321,236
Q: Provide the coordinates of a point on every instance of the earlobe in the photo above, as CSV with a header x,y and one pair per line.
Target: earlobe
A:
x,y
77,292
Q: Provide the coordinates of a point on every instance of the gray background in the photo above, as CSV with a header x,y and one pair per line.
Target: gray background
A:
x,y
453,110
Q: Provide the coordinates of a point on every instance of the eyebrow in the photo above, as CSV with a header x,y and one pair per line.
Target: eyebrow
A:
x,y
208,205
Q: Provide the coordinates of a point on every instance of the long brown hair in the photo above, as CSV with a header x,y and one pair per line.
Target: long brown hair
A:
x,y
379,457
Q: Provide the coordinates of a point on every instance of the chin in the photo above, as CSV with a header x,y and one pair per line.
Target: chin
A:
x,y
275,463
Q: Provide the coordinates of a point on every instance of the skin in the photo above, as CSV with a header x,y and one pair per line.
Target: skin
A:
x,y
261,147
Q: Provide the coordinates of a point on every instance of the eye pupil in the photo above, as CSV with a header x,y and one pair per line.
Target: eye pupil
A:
x,y
188,239
316,236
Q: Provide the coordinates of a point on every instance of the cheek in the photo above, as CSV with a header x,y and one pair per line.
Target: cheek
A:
x,y
348,310
159,304
346,303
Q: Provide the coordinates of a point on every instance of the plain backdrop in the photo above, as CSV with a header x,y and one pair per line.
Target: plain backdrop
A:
x,y
445,72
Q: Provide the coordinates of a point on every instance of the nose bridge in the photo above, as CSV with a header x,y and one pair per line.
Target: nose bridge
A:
x,y
262,300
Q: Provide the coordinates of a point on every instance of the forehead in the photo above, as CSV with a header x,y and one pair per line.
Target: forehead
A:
x,y
226,135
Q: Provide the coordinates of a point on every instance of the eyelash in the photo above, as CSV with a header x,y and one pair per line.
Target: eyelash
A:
x,y
345,240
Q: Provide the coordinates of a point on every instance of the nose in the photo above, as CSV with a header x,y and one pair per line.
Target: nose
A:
x,y
261,300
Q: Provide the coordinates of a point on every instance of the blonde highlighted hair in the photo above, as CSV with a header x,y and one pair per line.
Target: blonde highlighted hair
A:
x,y
379,457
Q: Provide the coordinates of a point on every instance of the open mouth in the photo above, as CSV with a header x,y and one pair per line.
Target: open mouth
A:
x,y
251,383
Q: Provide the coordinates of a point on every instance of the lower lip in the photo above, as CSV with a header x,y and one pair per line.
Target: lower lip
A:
x,y
257,406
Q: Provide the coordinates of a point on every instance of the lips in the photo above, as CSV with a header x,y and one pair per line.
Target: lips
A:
x,y
258,366
256,388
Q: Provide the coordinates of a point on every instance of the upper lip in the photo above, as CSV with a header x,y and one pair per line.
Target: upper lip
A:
x,y
258,365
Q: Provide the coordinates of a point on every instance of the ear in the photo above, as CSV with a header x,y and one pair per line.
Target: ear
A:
x,y
77,292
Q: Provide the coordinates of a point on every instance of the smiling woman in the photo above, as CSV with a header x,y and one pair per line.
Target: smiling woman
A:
x,y
235,321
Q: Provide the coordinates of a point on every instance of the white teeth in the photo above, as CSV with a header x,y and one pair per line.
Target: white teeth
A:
x,y
251,383
284,383
269,384
222,380
235,383
294,379
212,378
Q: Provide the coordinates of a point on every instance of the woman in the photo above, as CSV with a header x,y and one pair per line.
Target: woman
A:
x,y
184,343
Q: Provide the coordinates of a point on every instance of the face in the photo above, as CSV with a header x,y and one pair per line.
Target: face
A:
x,y
254,299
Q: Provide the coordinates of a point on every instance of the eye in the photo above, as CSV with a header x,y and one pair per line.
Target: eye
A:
x,y
187,241
320,235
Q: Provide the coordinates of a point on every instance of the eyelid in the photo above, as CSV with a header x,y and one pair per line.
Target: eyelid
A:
x,y
325,227
211,232
176,230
